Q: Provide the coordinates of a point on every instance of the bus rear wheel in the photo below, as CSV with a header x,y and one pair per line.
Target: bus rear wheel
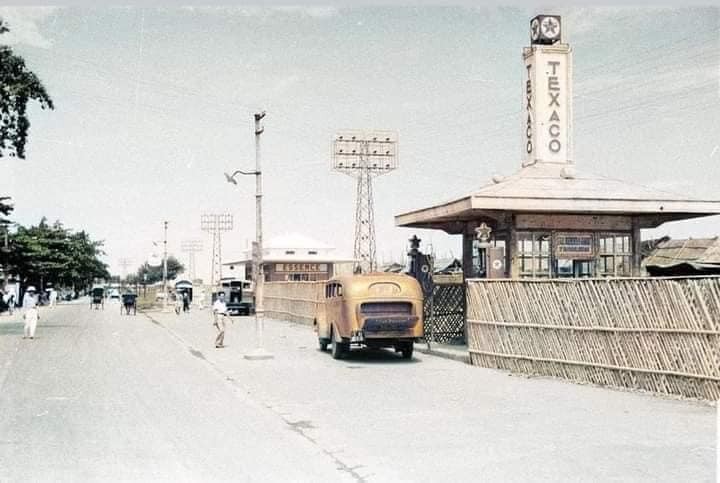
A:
x,y
323,342
339,348
407,350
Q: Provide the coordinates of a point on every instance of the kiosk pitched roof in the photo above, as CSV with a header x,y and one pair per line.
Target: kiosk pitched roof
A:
x,y
542,188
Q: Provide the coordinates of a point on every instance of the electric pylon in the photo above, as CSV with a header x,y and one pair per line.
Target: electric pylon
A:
x,y
365,155
216,224
191,247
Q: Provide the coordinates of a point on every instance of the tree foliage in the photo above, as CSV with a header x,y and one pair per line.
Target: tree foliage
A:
x,y
47,254
155,274
18,86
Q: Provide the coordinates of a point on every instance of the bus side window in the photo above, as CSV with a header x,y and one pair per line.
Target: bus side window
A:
x,y
327,291
339,290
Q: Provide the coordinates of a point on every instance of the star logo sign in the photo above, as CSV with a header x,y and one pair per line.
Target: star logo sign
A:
x,y
483,232
535,29
550,27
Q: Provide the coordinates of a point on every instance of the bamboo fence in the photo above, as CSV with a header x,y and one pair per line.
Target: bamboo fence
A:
x,y
654,334
294,301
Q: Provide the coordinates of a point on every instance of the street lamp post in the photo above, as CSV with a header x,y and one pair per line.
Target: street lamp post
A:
x,y
259,353
165,290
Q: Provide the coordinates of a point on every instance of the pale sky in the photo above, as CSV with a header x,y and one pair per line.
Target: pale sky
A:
x,y
153,104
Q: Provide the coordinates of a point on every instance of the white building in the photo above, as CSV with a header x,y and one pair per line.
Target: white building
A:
x,y
292,257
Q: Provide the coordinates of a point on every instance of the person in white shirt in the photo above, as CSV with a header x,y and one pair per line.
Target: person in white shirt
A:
x,y
53,297
219,310
31,313
178,303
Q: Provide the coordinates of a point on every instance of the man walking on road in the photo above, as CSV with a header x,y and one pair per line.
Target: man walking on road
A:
x,y
219,316
186,302
31,313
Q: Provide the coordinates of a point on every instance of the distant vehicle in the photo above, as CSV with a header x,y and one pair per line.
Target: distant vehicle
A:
x,y
238,296
114,293
184,287
97,298
373,310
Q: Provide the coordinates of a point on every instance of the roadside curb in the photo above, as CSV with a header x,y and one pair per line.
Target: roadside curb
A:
x,y
445,354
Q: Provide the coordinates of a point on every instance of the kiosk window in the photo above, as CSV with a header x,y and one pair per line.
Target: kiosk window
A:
x,y
534,254
615,255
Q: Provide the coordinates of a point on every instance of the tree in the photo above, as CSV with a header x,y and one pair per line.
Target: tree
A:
x,y
51,254
5,208
155,274
18,86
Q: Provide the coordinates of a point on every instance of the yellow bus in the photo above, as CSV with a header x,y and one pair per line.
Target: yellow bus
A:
x,y
372,310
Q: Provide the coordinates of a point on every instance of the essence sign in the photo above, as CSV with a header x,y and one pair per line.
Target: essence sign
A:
x,y
547,108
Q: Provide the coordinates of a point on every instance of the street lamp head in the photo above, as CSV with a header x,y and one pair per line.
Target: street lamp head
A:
x,y
230,179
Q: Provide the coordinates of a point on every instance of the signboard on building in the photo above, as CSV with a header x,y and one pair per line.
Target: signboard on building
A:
x,y
301,267
547,109
574,246
496,262
448,278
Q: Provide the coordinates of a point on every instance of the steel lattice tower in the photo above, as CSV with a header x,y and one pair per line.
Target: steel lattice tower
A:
x,y
216,224
191,247
124,264
365,155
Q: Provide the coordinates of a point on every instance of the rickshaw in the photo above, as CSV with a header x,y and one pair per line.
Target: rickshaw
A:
x,y
129,302
97,298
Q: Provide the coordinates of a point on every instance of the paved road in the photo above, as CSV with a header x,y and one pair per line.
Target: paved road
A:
x,y
98,396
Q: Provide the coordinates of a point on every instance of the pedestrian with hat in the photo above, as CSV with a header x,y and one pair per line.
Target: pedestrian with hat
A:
x,y
220,316
31,313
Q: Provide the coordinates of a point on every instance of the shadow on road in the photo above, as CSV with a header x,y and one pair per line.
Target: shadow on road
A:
x,y
376,356
12,328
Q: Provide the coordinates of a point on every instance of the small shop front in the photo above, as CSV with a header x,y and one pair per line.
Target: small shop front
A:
x,y
548,246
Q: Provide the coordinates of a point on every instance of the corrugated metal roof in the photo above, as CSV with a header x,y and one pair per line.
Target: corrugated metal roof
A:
x,y
693,250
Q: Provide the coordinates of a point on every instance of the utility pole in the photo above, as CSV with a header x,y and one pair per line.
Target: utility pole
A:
x,y
259,353
165,290
365,155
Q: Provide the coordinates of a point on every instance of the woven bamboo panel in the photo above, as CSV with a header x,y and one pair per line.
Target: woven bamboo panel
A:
x,y
294,301
445,314
655,334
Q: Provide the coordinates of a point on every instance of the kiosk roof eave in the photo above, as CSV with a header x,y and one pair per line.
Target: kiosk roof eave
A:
x,y
452,215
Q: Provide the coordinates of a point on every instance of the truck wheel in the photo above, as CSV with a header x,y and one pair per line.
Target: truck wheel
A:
x,y
338,347
323,342
407,350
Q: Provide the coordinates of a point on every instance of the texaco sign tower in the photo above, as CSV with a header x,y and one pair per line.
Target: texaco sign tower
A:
x,y
547,94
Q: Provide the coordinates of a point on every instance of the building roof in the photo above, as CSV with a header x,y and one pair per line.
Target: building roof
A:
x,y
296,258
274,250
548,188
294,241
393,267
443,265
701,253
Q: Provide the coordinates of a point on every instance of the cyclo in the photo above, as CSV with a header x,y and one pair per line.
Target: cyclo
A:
x,y
97,298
